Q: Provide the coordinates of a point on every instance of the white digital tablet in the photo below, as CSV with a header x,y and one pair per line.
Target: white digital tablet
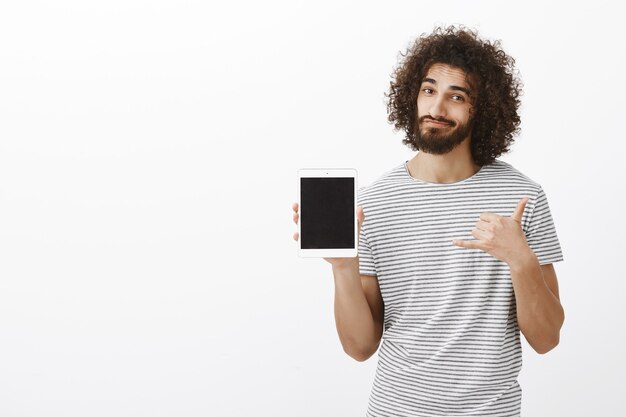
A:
x,y
327,221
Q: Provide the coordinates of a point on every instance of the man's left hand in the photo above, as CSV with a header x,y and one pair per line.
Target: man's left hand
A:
x,y
500,236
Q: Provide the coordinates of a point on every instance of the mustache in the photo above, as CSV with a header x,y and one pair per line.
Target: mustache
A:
x,y
440,120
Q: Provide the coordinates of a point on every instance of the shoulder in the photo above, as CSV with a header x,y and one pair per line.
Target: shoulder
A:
x,y
506,175
517,185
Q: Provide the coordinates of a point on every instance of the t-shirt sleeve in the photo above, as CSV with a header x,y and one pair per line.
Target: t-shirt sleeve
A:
x,y
366,258
541,233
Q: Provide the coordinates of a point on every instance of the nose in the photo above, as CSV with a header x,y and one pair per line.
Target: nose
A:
x,y
437,108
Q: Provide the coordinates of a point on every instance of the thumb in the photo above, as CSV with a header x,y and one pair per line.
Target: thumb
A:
x,y
360,217
519,210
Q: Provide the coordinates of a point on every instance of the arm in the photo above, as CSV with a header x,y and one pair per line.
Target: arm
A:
x,y
359,311
540,315
539,311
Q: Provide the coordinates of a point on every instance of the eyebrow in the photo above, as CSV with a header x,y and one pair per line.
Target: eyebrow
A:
x,y
452,87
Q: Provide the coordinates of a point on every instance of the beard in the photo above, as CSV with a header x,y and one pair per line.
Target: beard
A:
x,y
439,140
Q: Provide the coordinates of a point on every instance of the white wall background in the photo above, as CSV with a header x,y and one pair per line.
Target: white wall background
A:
x,y
148,160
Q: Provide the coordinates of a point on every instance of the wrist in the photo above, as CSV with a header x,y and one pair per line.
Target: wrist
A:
x,y
523,260
347,264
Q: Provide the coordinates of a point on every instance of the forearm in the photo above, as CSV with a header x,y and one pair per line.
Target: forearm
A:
x,y
539,312
353,316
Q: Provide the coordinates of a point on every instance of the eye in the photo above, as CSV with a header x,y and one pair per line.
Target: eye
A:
x,y
457,97
427,90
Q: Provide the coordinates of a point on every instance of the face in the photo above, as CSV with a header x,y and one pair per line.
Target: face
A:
x,y
443,110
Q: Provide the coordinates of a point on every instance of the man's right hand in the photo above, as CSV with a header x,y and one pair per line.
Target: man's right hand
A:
x,y
335,262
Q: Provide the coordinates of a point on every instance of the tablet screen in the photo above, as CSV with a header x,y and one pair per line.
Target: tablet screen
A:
x,y
327,213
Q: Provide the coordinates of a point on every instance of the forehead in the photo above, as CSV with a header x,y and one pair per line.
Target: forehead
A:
x,y
445,74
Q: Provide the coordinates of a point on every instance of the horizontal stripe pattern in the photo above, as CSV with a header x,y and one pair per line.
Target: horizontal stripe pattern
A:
x,y
451,343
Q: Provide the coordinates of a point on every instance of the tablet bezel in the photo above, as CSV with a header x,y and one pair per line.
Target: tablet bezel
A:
x,y
328,173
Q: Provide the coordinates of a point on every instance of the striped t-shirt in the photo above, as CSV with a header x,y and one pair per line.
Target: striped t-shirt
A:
x,y
451,343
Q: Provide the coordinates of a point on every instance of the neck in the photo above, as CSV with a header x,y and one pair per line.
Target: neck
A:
x,y
453,166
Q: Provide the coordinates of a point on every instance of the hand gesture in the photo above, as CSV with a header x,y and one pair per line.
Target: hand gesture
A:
x,y
499,236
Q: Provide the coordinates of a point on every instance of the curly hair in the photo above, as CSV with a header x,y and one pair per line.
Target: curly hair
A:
x,y
495,88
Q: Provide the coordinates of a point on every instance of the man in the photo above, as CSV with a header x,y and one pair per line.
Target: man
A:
x,y
456,247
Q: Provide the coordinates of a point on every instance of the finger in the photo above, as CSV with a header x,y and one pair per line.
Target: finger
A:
x,y
483,225
519,210
481,234
295,236
470,244
489,217
360,215
295,218
294,206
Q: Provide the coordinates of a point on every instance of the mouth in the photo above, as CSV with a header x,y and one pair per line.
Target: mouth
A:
x,y
438,124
